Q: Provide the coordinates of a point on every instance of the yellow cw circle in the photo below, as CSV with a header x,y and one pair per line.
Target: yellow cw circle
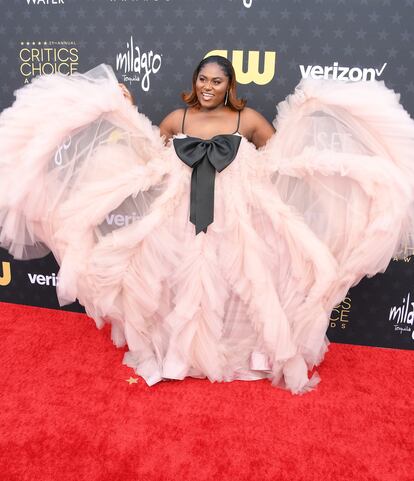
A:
x,y
253,73
5,274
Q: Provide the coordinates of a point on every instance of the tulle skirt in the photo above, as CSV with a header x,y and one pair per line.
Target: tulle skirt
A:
x,y
327,201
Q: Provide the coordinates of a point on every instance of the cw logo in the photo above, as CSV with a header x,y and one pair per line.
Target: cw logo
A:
x,y
5,278
252,74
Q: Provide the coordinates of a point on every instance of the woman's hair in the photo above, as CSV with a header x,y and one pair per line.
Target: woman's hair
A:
x,y
190,98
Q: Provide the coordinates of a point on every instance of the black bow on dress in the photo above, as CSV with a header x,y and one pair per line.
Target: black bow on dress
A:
x,y
205,157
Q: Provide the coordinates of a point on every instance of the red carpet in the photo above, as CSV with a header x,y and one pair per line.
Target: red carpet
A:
x,y
67,413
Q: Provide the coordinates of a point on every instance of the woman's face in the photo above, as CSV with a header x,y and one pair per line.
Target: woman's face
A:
x,y
211,86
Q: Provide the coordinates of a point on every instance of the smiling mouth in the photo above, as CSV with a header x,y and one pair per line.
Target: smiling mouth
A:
x,y
206,96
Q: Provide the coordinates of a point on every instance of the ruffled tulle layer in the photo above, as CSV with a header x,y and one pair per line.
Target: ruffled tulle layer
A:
x,y
327,201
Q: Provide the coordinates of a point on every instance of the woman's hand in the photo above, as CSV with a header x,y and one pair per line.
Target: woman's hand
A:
x,y
126,93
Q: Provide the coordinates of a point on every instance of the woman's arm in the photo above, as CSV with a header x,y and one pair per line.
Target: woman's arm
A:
x,y
171,125
258,129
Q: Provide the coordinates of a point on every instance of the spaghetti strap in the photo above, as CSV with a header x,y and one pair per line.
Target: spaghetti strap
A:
x,y
238,124
182,125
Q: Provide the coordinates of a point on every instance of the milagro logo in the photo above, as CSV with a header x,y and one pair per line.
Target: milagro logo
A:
x,y
5,274
403,316
247,3
138,66
338,72
45,2
253,74
43,280
48,57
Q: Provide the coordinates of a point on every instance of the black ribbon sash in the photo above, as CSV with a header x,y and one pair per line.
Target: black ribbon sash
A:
x,y
205,157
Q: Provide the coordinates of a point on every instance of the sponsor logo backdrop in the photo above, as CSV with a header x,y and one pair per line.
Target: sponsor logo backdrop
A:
x,y
154,45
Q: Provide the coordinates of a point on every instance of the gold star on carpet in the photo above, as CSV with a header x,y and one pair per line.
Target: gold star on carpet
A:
x,y
132,380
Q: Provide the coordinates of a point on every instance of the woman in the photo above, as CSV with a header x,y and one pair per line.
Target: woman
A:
x,y
209,257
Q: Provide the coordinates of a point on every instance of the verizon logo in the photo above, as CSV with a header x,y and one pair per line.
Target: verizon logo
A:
x,y
338,72
42,280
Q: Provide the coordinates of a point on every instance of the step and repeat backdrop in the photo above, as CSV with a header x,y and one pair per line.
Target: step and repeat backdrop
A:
x,y
154,46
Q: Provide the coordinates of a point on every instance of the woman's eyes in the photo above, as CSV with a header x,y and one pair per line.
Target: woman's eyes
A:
x,y
215,82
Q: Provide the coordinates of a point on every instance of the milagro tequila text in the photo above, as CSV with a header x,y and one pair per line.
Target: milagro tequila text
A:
x,y
403,315
137,66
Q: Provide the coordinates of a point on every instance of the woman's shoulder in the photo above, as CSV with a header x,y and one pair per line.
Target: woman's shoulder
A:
x,y
255,127
250,114
174,116
172,123
253,119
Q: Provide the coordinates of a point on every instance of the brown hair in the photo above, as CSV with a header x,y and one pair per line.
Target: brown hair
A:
x,y
190,98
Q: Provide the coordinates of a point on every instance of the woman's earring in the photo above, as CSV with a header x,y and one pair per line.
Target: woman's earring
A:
x,y
227,98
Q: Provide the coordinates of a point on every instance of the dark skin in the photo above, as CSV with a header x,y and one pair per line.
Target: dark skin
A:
x,y
214,117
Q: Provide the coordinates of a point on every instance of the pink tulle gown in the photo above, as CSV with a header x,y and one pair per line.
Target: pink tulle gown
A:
x,y
327,201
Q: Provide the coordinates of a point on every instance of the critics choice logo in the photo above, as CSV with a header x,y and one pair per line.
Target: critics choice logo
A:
x,y
403,316
407,258
40,58
340,314
5,274
138,66
338,72
254,73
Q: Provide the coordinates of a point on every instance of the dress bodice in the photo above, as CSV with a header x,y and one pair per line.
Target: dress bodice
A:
x,y
205,157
